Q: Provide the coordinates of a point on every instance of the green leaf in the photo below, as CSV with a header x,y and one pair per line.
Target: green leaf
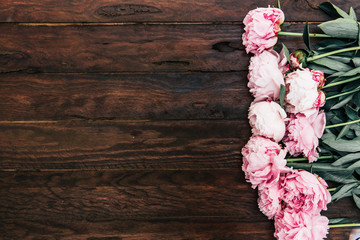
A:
x,y
343,131
356,196
339,220
351,113
333,64
354,166
343,191
356,99
342,59
331,44
349,158
352,72
342,145
282,94
342,103
306,36
333,10
356,61
327,172
286,52
352,13
321,68
341,28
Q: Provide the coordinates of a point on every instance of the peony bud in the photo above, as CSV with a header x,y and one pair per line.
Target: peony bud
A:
x,y
297,58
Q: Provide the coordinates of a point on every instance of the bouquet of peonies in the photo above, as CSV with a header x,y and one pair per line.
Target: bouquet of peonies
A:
x,y
289,117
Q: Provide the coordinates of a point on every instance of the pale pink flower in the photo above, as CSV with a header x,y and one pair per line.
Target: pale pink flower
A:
x,y
305,192
267,119
302,92
261,29
290,225
263,161
303,133
265,75
269,200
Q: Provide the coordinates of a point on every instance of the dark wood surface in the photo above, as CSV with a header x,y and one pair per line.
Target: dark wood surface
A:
x,y
125,120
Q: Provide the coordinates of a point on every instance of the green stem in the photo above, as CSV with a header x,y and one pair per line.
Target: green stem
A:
x,y
342,124
331,189
342,94
341,82
295,34
305,159
344,225
332,53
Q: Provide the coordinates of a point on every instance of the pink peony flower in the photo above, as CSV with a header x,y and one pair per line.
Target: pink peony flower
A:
x,y
261,28
263,161
269,200
267,119
303,133
265,75
305,192
290,225
302,92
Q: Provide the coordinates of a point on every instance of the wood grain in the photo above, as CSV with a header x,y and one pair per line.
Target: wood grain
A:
x,y
138,205
122,145
155,11
124,96
159,229
129,48
156,229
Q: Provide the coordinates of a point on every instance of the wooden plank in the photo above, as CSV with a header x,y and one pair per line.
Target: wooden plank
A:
x,y
124,96
138,205
158,198
159,229
134,48
124,145
162,229
155,11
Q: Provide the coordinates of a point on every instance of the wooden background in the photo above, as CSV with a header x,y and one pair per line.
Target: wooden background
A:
x,y
125,119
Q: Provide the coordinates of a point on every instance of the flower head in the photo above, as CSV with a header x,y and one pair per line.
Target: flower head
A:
x,y
305,192
267,119
261,28
290,225
302,92
263,161
265,75
303,133
269,200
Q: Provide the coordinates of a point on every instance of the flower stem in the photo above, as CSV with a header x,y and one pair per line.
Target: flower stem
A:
x,y
341,82
295,34
344,225
342,94
306,159
331,189
342,124
332,53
